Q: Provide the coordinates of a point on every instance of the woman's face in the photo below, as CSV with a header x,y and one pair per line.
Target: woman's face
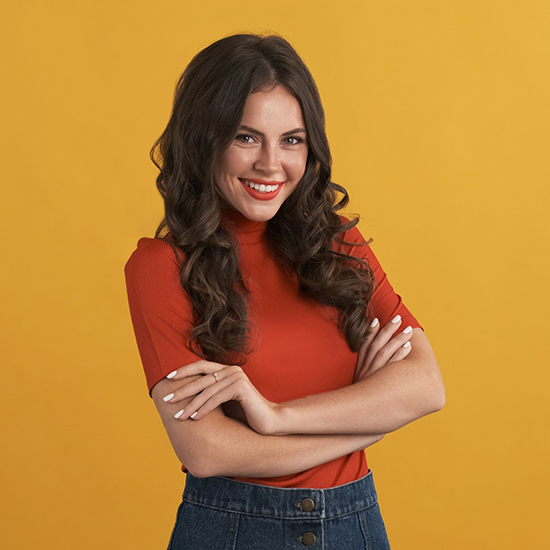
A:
x,y
267,158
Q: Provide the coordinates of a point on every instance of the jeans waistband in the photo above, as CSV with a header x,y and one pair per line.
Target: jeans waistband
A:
x,y
283,503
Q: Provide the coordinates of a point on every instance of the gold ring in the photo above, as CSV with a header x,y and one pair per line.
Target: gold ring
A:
x,y
215,375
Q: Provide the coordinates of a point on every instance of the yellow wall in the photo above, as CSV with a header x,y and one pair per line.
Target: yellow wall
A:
x,y
438,118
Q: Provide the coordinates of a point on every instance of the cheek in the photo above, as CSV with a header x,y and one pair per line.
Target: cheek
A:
x,y
235,161
298,166
226,171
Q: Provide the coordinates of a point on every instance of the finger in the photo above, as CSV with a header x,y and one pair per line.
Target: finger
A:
x,y
217,399
401,353
198,367
360,372
382,338
390,348
199,385
190,389
374,328
214,395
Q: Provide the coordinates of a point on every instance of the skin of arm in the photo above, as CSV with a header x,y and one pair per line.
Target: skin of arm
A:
x,y
384,398
389,398
222,446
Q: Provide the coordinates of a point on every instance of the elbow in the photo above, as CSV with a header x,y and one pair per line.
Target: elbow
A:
x,y
442,399
429,395
200,466
436,398
427,402
437,402
431,390
202,459
201,470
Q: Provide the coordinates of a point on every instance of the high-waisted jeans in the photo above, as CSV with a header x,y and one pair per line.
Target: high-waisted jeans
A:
x,y
218,513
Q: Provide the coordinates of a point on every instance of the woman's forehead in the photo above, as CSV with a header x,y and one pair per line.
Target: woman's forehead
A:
x,y
273,109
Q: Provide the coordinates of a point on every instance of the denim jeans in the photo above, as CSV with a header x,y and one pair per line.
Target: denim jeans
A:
x,y
218,513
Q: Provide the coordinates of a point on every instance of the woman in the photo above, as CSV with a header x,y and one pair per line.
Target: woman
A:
x,y
274,346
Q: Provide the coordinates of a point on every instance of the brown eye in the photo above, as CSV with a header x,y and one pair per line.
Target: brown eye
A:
x,y
244,138
293,140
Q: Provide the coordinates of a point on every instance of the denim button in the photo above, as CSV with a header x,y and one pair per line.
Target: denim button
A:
x,y
307,505
308,539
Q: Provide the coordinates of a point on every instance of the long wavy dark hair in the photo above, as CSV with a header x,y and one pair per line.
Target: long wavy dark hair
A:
x,y
208,107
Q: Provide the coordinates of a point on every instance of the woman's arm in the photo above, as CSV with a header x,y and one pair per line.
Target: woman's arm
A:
x,y
217,445
396,394
222,446
389,393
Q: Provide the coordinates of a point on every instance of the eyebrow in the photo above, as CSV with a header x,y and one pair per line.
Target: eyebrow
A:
x,y
261,134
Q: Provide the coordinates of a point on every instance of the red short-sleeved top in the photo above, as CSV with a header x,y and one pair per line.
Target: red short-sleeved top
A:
x,y
297,349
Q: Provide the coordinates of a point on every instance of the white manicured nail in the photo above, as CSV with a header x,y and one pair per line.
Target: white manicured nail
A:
x,y
396,319
172,374
374,323
168,397
194,414
406,344
178,414
407,330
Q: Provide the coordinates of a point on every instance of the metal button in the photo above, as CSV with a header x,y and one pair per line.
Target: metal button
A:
x,y
308,539
307,505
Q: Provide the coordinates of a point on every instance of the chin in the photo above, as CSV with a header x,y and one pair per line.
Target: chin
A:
x,y
260,214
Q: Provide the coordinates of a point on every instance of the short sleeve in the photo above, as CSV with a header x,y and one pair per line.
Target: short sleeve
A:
x,y
160,309
385,304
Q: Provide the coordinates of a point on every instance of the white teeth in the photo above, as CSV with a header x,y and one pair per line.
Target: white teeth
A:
x,y
262,188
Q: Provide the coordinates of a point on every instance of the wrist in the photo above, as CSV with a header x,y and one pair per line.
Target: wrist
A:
x,y
282,420
270,422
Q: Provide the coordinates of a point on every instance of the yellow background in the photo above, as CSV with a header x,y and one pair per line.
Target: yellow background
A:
x,y
439,121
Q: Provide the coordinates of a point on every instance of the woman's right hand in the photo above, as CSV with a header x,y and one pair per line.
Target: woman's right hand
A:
x,y
218,384
380,349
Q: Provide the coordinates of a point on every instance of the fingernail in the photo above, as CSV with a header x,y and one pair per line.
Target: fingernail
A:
x,y
193,415
168,397
407,330
178,414
172,374
406,344
374,323
396,319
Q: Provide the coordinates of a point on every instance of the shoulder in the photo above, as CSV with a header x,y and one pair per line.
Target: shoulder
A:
x,y
351,241
153,259
151,252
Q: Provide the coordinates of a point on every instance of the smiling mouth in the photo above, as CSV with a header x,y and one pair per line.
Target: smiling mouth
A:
x,y
261,187
262,190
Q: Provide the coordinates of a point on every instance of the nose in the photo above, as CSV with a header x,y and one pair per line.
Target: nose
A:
x,y
268,160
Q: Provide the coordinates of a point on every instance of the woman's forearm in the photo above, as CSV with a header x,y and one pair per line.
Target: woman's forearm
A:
x,y
301,434
221,446
383,402
388,395
242,452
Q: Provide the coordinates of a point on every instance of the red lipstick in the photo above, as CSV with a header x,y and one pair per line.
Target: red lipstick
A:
x,y
270,195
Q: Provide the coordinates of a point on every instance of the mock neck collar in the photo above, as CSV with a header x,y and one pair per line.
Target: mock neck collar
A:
x,y
246,230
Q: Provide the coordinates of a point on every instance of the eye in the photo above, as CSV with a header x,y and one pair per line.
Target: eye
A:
x,y
293,140
244,138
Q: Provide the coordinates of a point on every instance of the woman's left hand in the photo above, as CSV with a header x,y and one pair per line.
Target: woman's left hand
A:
x,y
382,347
220,384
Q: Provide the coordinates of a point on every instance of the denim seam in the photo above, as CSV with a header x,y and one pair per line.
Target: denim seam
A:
x,y
326,490
235,530
351,512
365,531
289,518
